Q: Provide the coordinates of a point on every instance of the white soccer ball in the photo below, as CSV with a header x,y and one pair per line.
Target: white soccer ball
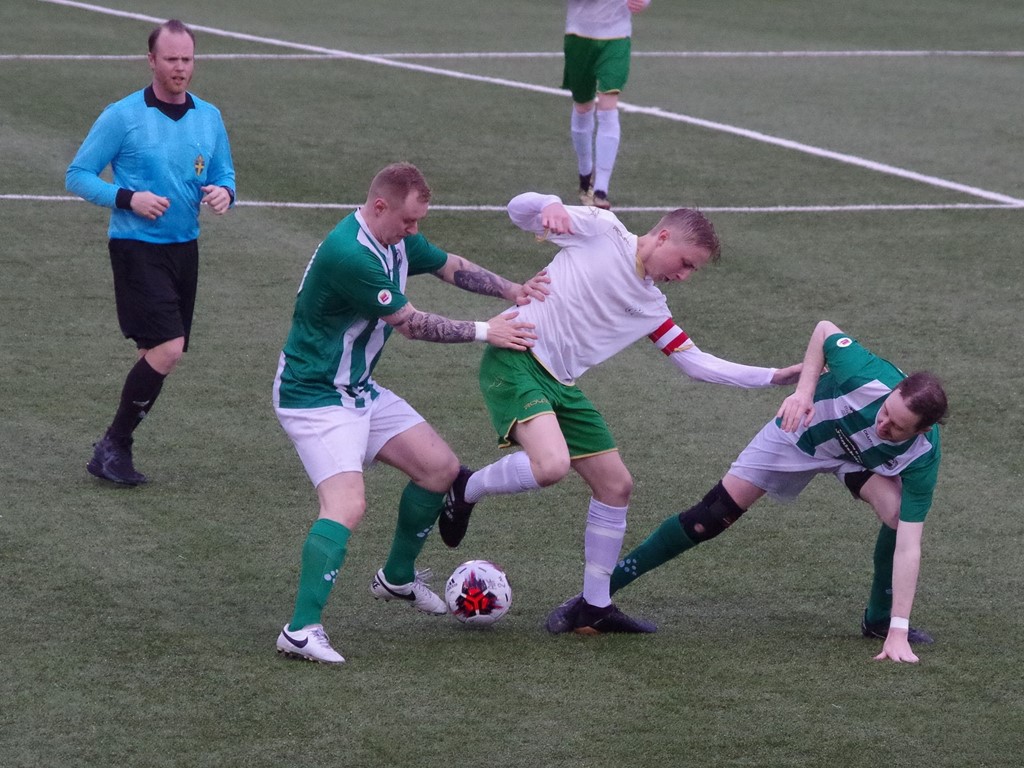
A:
x,y
478,593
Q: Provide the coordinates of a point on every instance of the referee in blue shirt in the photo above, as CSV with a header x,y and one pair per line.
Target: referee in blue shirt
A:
x,y
169,154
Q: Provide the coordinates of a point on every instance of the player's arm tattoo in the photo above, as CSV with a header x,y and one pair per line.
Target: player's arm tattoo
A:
x,y
471,277
426,326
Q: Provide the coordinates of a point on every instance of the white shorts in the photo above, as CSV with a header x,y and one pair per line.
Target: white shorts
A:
x,y
334,439
773,463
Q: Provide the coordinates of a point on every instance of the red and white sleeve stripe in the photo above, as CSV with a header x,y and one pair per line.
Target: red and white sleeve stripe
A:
x,y
670,338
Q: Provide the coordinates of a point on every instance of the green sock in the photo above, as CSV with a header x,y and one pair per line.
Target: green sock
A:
x,y
880,601
666,541
322,556
417,513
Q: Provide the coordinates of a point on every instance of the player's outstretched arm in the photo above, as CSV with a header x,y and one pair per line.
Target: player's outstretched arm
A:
x,y
702,366
906,564
501,331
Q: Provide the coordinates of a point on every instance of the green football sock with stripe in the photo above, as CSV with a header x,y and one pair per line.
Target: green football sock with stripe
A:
x,y
417,513
668,540
322,558
880,601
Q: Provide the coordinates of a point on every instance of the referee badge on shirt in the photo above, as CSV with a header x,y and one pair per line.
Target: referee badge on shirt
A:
x,y
384,297
199,165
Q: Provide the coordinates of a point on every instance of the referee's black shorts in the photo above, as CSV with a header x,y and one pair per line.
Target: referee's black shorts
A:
x,y
155,289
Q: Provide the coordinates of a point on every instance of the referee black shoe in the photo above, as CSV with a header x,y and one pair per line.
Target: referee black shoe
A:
x,y
112,460
880,630
454,519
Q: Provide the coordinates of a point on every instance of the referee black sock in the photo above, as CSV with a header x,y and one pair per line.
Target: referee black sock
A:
x,y
141,388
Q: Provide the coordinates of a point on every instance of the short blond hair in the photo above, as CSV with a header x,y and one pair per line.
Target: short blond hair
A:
x,y
394,183
693,227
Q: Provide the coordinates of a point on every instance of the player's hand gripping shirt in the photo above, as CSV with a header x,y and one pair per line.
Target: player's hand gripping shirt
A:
x,y
337,335
846,402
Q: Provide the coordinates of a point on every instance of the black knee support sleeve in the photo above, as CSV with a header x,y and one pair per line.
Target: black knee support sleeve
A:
x,y
715,512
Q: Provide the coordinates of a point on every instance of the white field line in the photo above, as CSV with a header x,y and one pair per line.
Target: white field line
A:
x,y
626,107
531,55
867,207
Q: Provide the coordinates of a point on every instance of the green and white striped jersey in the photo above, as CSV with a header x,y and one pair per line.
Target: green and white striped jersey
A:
x,y
337,335
846,402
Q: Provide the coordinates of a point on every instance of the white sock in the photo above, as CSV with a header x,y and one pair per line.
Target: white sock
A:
x,y
602,543
582,126
509,474
608,133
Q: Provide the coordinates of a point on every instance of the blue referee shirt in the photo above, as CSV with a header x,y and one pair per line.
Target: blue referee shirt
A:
x,y
148,150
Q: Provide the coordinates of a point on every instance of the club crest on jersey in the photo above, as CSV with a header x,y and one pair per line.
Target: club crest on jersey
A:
x,y
844,342
384,297
199,164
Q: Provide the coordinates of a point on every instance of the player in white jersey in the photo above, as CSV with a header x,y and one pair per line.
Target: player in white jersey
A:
x,y
597,45
603,297
340,419
853,415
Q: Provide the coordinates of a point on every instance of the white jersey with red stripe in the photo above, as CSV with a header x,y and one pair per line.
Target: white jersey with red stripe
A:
x,y
601,301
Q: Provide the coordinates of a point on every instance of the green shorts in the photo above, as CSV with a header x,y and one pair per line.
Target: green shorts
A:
x,y
516,388
595,66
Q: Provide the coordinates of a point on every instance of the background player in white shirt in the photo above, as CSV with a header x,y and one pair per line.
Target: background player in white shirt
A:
x,y
597,44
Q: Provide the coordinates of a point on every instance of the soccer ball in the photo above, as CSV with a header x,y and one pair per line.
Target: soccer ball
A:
x,y
478,593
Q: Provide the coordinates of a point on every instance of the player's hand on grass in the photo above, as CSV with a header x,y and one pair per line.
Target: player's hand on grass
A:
x,y
534,288
507,332
897,648
555,219
797,409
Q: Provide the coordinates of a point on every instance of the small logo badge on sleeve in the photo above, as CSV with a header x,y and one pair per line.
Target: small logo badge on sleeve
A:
x,y
384,297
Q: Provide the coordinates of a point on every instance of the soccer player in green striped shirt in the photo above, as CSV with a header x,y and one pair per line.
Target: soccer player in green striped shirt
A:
x,y
853,415
340,419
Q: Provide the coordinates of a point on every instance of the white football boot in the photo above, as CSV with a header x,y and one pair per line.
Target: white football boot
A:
x,y
310,643
416,593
